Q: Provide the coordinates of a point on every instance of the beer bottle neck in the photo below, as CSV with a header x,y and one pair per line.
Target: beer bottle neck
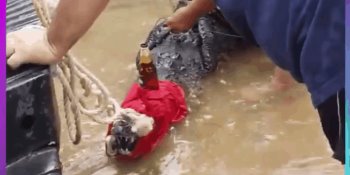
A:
x,y
145,57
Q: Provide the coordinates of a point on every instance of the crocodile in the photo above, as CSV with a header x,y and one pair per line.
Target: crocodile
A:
x,y
184,58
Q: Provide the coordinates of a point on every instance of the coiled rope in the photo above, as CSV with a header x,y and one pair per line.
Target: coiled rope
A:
x,y
69,72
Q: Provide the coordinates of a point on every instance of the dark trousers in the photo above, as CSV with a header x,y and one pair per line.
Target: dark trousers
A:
x,y
332,115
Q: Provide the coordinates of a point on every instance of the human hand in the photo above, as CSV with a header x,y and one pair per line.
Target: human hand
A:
x,y
30,45
181,20
184,18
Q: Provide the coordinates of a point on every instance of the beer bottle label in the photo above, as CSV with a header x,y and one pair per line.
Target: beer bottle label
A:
x,y
148,76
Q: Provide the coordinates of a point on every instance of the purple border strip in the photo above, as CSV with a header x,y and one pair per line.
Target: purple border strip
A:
x,y
2,89
347,13
347,85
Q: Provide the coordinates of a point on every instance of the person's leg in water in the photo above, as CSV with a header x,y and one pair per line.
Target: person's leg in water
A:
x,y
282,80
332,117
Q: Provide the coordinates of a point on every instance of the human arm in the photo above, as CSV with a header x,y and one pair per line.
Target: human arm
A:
x,y
71,21
184,18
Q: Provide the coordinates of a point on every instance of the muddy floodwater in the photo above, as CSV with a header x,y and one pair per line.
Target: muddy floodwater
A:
x,y
236,126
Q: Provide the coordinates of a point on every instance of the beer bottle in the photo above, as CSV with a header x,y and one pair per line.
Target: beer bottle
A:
x,y
147,71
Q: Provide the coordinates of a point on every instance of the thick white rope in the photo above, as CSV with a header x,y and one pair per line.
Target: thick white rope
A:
x,y
69,72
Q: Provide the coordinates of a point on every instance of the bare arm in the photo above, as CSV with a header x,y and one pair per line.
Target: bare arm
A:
x,y
73,18
184,18
201,7
71,21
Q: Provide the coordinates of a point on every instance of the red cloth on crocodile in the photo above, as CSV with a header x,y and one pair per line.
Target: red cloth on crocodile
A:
x,y
166,105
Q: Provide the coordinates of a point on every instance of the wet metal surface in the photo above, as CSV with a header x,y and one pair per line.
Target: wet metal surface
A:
x,y
32,128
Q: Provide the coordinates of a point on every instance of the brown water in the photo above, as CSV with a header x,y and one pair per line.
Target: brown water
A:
x,y
238,128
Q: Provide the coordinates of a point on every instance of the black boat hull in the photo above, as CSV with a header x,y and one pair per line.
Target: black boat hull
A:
x,y
32,123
